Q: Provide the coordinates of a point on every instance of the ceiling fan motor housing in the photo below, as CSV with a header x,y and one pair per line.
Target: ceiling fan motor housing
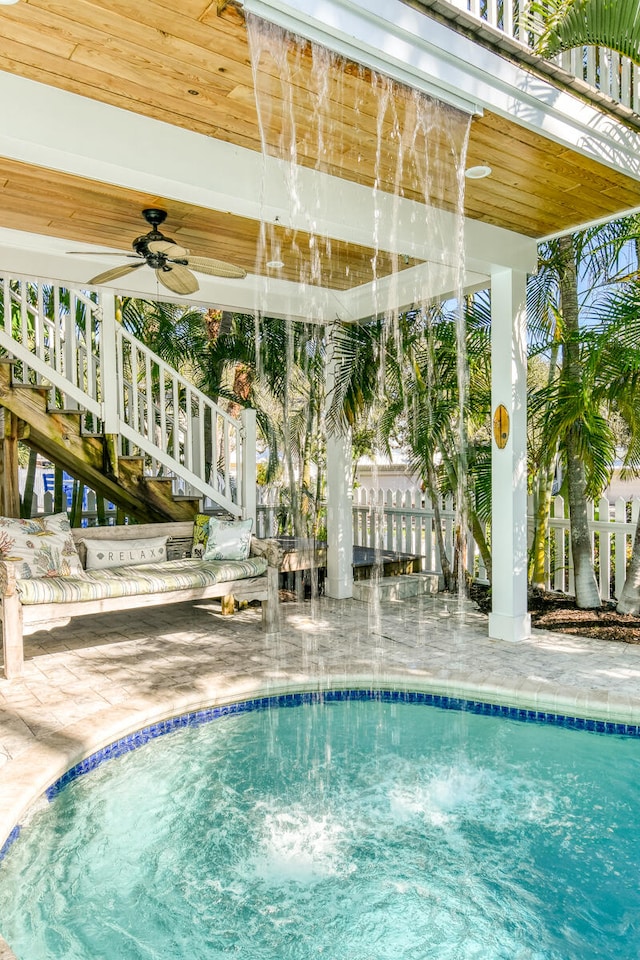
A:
x,y
154,216
156,259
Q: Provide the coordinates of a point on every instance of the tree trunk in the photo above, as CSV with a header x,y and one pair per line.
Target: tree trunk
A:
x,y
586,586
59,500
27,499
445,563
545,494
629,601
481,543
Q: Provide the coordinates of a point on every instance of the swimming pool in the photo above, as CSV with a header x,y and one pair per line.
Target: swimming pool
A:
x,y
349,829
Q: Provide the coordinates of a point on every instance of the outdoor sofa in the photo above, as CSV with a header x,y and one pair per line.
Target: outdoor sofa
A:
x,y
130,567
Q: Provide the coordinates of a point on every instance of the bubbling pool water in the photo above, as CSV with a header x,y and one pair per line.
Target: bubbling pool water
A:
x,y
355,831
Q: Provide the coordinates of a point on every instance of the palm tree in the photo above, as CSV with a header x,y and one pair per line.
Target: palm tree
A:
x,y
407,373
571,409
620,361
282,364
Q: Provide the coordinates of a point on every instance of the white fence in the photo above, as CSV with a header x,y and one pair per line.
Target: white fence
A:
x,y
612,527
44,505
404,521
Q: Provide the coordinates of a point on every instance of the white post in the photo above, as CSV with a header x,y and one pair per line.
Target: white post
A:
x,y
509,619
109,366
248,477
339,582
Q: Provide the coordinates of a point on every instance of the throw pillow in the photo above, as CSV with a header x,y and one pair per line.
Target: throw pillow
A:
x,y
228,539
102,554
200,535
42,547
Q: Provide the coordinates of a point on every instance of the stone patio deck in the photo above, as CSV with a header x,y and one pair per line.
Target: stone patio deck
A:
x,y
102,677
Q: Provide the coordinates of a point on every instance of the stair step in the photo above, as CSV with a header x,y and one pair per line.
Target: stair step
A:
x,y
392,589
41,388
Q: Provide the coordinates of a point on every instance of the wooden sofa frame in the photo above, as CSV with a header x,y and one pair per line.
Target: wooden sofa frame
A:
x,y
19,620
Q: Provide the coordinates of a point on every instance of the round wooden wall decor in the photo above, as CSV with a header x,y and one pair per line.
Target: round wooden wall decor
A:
x,y
501,426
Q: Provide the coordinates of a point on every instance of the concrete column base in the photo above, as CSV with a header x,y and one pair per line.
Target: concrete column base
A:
x,y
512,629
338,589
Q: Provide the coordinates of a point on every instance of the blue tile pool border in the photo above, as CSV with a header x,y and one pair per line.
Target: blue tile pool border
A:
x,y
198,718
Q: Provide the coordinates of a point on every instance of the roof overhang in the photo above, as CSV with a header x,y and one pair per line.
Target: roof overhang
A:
x,y
94,140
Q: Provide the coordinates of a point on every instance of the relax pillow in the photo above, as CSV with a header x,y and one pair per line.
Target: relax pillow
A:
x,y
228,539
200,535
42,547
102,554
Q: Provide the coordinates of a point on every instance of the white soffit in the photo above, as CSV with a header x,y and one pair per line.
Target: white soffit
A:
x,y
431,53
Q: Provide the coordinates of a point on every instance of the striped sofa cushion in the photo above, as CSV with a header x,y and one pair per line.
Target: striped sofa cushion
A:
x,y
133,581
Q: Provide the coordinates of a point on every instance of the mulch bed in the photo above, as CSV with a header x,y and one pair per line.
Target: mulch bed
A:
x,y
550,611
558,612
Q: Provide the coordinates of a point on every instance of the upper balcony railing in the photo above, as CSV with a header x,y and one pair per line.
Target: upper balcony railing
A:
x,y
606,72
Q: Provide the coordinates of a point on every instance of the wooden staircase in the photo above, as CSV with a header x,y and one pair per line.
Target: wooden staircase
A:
x,y
83,392
59,437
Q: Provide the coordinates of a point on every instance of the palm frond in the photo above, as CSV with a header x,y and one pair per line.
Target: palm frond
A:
x,y
564,24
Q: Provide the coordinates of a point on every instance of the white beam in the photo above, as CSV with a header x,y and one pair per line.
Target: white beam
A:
x,y
143,154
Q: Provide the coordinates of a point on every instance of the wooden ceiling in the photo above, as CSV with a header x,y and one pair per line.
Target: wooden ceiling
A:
x,y
83,211
187,63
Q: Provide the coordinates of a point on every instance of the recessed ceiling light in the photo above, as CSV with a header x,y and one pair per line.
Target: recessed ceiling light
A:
x,y
477,173
275,264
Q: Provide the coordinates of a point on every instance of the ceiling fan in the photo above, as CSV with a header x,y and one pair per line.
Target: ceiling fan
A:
x,y
172,263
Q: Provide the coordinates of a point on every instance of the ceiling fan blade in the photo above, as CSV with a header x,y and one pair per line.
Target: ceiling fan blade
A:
x,y
166,246
178,279
216,268
99,253
121,271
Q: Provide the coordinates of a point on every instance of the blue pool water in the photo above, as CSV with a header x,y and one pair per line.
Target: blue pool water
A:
x,y
346,831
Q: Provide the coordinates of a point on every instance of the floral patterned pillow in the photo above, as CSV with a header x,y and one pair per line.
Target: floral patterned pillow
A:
x,y
42,547
200,535
228,539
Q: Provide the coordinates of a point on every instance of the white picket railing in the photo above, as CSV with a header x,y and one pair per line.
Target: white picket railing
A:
x,y
70,339
404,521
605,70
612,527
401,521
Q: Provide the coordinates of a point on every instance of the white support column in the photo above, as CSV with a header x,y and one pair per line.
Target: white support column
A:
x,y
248,465
339,582
509,619
109,365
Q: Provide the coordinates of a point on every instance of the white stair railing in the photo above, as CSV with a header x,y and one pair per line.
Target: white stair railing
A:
x,y
70,339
